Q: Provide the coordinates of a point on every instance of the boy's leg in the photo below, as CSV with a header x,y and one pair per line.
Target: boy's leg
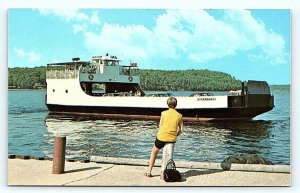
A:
x,y
153,155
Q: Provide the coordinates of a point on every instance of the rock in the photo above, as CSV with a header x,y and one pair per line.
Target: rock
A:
x,y
247,159
226,166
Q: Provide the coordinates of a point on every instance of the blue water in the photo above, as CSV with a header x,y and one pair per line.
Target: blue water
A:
x,y
31,131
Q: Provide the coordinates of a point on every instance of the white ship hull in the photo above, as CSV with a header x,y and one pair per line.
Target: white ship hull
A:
x,y
73,87
66,96
68,92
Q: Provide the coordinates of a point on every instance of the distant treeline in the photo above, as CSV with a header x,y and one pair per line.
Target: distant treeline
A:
x,y
26,78
280,87
189,80
160,80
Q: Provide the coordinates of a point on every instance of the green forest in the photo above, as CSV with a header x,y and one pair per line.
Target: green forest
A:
x,y
26,78
187,80
158,80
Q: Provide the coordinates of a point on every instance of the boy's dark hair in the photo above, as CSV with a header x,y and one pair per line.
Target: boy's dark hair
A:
x,y
172,102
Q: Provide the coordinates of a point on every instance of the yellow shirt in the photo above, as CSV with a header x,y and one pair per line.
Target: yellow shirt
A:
x,y
170,121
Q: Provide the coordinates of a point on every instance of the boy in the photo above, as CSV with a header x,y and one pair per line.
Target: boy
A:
x,y
170,127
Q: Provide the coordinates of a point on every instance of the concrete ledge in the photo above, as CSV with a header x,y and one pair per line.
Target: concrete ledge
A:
x,y
196,165
35,172
120,161
261,168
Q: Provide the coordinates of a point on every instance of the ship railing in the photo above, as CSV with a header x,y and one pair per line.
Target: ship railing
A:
x,y
57,74
157,95
201,94
115,94
67,70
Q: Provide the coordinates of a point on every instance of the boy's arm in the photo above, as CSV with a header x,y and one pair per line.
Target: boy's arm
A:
x,y
160,121
180,127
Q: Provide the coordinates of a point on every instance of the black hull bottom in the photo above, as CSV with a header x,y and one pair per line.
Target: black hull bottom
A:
x,y
217,114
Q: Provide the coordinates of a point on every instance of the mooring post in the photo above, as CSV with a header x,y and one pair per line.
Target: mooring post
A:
x,y
167,155
59,155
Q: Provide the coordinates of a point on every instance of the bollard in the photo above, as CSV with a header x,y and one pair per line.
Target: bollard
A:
x,y
59,155
167,155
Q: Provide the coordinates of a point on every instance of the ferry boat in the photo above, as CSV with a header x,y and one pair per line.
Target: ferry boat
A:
x,y
104,87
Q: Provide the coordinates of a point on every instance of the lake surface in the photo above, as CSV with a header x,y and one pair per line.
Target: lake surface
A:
x,y
31,131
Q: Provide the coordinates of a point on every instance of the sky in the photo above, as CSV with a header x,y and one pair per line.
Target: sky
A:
x,y
248,44
32,31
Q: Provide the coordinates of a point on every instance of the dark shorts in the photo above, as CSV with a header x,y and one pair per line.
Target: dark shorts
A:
x,y
160,144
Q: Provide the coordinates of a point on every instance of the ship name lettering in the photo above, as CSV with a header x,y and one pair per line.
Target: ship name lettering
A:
x,y
206,99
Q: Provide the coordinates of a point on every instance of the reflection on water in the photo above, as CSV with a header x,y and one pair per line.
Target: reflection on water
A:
x,y
88,135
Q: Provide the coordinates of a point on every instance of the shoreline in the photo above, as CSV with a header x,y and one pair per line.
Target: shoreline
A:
x,y
284,167
20,89
39,173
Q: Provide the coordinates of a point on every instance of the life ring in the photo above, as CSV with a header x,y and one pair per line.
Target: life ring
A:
x,y
91,77
130,78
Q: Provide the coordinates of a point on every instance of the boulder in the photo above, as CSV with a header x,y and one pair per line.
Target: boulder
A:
x,y
244,159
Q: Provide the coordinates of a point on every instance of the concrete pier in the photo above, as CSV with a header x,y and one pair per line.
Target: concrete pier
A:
x,y
196,165
130,172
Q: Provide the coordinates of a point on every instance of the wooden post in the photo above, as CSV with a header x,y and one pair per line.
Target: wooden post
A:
x,y
59,155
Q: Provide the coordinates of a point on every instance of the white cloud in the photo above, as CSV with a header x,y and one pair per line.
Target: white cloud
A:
x,y
132,41
79,28
192,34
196,34
72,15
33,56
94,19
254,34
65,14
20,52
80,21
30,56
